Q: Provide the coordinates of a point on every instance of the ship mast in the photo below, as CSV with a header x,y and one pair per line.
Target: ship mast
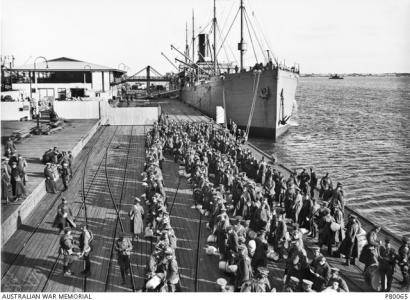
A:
x,y
214,21
193,36
241,44
186,42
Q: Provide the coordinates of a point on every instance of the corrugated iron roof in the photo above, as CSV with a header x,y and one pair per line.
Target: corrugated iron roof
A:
x,y
65,64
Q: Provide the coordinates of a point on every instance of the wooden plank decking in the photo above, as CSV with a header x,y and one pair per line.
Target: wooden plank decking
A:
x,y
125,159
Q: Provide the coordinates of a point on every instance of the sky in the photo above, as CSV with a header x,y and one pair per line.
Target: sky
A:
x,y
322,36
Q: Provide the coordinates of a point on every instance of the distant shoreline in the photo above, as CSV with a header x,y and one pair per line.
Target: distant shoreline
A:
x,y
358,75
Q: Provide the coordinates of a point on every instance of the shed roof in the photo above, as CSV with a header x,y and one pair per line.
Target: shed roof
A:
x,y
65,64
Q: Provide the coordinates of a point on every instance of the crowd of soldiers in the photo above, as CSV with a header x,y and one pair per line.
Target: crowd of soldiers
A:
x,y
58,165
162,267
256,214
13,174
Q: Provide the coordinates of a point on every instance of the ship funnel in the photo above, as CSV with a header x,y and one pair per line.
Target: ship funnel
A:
x,y
202,42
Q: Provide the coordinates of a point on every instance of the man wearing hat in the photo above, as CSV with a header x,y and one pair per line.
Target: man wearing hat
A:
x,y
67,250
136,215
337,199
16,182
171,270
10,147
22,168
5,179
307,286
325,187
404,260
335,276
64,216
51,186
292,285
260,284
65,174
350,246
244,272
387,262
123,247
320,271
86,239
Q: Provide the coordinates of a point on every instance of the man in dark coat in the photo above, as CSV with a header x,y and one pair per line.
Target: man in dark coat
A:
x,y
349,246
325,186
313,183
335,276
260,258
9,148
404,260
321,273
244,272
387,262
326,235
65,175
64,216
51,186
370,251
123,247
5,179
68,251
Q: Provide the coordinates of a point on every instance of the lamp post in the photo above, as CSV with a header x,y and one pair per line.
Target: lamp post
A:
x,y
37,93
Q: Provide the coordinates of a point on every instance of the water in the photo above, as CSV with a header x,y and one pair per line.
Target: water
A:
x,y
358,130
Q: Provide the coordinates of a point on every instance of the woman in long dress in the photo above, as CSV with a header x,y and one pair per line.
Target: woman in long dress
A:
x,y
136,218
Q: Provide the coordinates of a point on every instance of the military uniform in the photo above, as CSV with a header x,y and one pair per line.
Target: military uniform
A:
x,y
387,262
86,238
123,246
403,260
67,250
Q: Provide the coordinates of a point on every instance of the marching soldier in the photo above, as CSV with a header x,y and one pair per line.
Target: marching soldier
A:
x,y
123,247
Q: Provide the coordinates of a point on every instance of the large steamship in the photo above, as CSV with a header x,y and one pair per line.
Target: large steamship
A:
x,y
260,100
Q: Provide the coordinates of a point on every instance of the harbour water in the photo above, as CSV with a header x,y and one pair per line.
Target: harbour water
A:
x,y
358,130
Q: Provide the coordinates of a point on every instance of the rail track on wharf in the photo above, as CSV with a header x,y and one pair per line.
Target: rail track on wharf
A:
x,y
83,208
117,208
6,269
35,264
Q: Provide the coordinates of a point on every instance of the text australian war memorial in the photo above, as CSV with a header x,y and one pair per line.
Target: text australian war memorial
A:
x,y
162,182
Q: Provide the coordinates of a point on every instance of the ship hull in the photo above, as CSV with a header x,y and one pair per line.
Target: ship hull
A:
x,y
275,98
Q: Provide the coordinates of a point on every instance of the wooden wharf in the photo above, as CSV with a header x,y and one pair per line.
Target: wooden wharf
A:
x,y
106,180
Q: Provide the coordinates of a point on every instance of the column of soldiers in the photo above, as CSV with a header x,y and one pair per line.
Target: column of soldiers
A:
x,y
13,174
162,272
248,203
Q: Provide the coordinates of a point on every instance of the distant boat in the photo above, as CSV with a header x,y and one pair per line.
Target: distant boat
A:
x,y
335,76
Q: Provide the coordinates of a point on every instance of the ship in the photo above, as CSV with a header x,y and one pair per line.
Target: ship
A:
x,y
335,76
260,99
